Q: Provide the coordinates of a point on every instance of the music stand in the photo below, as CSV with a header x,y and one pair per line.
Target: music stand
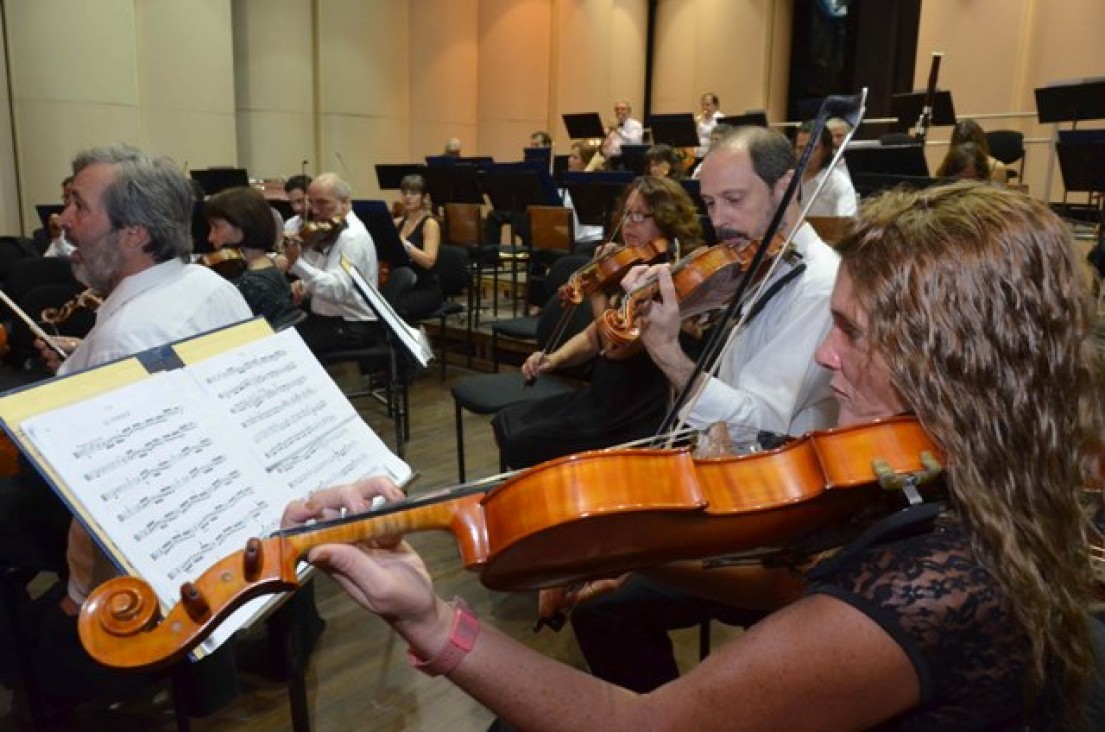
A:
x,y
594,194
757,118
585,126
389,176
908,160
282,207
677,130
46,210
1072,101
214,180
540,155
632,159
376,217
514,187
559,168
200,230
1082,163
907,108
454,183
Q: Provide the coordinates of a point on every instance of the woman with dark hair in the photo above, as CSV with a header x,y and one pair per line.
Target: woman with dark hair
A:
x,y
421,236
241,218
964,305
968,130
664,161
626,399
967,161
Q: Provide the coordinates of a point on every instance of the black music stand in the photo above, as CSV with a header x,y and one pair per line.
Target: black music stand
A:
x,y
1082,163
376,217
517,186
677,130
213,180
389,176
540,155
755,118
585,126
595,194
282,207
908,107
631,160
200,230
875,168
455,183
1072,101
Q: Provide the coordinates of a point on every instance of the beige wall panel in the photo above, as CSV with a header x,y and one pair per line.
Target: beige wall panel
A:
x,y
70,88
362,48
9,186
60,131
513,72
274,77
55,56
200,139
714,45
353,145
443,76
275,144
600,56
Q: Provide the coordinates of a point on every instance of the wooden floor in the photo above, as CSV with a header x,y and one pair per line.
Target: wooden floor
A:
x,y
358,676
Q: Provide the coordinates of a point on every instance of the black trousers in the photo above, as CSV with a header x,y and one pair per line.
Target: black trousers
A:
x,y
624,635
325,334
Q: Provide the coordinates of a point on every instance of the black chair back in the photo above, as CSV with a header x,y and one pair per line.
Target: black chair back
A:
x,y
451,268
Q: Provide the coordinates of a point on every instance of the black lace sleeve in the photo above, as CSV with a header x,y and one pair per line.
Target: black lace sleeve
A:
x,y
952,620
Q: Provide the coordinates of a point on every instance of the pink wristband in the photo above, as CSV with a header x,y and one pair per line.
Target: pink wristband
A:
x,y
462,638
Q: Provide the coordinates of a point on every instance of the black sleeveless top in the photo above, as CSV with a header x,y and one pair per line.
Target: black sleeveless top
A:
x,y
930,594
426,277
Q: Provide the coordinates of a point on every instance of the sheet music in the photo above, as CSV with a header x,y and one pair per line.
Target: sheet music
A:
x,y
180,469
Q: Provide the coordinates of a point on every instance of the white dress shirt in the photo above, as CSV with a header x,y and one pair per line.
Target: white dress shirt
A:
x,y
162,304
768,379
630,132
330,286
837,198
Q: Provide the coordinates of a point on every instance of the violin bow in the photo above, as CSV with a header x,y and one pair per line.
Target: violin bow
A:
x,y
33,326
850,108
925,118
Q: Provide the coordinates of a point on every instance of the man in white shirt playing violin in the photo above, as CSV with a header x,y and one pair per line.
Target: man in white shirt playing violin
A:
x,y
767,380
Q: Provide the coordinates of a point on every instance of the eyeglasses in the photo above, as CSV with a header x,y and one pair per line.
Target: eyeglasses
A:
x,y
636,216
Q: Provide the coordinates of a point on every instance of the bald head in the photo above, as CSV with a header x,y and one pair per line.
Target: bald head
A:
x,y
329,196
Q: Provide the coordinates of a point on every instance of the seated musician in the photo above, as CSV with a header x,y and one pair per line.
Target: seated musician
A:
x,y
241,218
421,236
296,190
950,625
583,156
626,398
838,195
338,318
766,382
129,217
664,161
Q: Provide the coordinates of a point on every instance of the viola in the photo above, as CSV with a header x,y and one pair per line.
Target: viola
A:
x,y
228,262
704,280
599,513
608,270
319,233
85,300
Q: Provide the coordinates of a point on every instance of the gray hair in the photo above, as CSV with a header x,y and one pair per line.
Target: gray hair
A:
x,y
771,152
148,192
336,185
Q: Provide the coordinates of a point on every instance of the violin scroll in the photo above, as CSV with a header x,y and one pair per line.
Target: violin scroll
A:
x,y
86,300
120,624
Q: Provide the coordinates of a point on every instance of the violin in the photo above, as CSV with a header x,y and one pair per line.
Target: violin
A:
x,y
704,280
85,300
228,262
583,516
319,233
608,270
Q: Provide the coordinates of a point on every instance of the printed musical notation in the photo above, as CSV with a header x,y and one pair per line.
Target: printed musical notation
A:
x,y
183,467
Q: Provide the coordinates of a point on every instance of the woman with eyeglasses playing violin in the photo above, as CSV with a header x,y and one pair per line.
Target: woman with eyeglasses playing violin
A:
x,y
244,233
625,398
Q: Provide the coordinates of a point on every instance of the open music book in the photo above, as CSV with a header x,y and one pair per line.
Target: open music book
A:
x,y
171,470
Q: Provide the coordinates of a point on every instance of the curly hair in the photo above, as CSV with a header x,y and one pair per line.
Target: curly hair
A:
x,y
975,301
673,211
